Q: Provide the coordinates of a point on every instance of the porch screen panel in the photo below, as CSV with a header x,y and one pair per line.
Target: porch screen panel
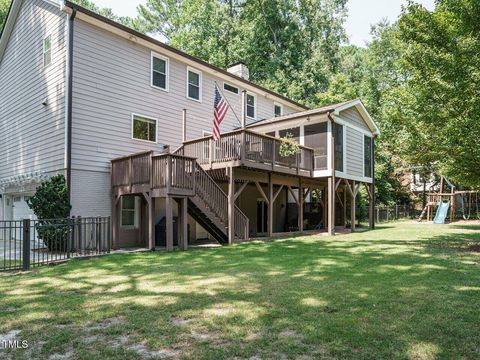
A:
x,y
367,150
295,132
338,131
315,137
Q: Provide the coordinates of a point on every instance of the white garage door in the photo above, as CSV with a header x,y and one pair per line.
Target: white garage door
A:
x,y
21,209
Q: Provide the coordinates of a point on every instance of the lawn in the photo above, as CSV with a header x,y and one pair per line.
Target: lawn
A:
x,y
403,291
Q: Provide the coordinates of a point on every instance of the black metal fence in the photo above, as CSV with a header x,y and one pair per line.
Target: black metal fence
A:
x,y
30,243
391,213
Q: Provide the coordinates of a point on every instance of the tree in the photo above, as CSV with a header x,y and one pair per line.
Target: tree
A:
x,y
52,207
436,108
4,7
107,12
289,46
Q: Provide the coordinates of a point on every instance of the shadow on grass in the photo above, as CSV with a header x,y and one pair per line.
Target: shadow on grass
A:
x,y
353,296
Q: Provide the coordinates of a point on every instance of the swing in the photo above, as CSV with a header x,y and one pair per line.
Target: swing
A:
x,y
466,216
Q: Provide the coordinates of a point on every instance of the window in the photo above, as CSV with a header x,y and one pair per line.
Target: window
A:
x,y
194,85
278,109
338,133
128,218
367,153
144,128
230,88
47,50
159,72
251,107
315,137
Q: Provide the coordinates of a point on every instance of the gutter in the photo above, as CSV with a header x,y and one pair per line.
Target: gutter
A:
x,y
68,153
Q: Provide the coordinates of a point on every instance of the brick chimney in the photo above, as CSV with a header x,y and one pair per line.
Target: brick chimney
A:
x,y
239,69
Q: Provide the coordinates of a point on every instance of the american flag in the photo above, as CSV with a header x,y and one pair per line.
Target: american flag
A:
x,y
220,107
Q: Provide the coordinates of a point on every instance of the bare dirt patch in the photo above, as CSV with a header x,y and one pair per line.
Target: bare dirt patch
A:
x,y
474,248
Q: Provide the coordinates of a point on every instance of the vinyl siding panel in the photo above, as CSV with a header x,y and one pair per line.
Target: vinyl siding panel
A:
x,y
112,81
354,152
353,117
91,195
31,134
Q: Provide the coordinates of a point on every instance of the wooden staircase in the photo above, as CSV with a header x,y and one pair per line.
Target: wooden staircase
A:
x,y
178,176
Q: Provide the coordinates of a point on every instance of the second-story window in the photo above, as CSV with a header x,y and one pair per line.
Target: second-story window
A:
x,y
278,109
194,85
47,50
251,106
144,128
159,72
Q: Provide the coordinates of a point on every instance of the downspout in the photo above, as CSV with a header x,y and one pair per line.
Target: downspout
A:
x,y
69,102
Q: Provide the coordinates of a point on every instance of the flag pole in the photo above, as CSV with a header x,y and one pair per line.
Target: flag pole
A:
x,y
231,107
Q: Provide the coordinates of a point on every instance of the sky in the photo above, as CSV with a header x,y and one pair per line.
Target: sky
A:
x,y
361,14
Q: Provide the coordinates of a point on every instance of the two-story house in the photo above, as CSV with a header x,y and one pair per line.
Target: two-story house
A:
x,y
128,120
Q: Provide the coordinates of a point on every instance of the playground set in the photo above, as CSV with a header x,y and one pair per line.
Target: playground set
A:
x,y
455,203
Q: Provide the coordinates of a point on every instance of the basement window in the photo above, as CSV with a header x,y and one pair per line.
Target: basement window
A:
x,y
129,212
47,50
144,128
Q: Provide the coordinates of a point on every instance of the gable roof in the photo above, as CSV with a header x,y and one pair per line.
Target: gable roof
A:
x,y
334,109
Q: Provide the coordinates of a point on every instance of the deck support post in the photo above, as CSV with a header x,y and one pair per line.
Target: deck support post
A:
x,y
353,204
169,221
183,223
371,207
344,207
151,222
115,201
301,200
270,205
331,206
231,206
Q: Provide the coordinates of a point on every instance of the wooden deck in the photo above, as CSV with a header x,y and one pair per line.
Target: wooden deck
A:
x,y
245,148
174,176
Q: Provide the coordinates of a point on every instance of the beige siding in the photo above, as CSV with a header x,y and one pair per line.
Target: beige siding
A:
x,y
354,152
112,81
352,116
32,135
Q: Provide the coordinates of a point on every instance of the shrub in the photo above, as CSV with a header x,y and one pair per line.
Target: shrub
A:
x,y
52,208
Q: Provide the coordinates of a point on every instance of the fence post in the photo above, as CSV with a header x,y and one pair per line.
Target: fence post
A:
x,y
80,236
71,239
109,239
26,244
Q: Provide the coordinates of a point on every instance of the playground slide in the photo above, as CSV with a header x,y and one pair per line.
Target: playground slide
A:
x,y
442,211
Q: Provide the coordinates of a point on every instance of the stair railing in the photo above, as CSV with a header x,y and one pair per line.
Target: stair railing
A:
x,y
217,201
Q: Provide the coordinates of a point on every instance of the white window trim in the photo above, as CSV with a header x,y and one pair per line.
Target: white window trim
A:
x,y
190,69
254,107
167,71
148,118
231,92
281,108
136,209
43,51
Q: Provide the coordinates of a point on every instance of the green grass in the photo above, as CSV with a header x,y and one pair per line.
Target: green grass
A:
x,y
403,291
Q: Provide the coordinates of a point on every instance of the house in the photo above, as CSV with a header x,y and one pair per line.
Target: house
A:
x,y
128,120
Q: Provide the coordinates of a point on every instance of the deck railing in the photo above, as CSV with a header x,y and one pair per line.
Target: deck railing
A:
x,y
176,173
251,149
